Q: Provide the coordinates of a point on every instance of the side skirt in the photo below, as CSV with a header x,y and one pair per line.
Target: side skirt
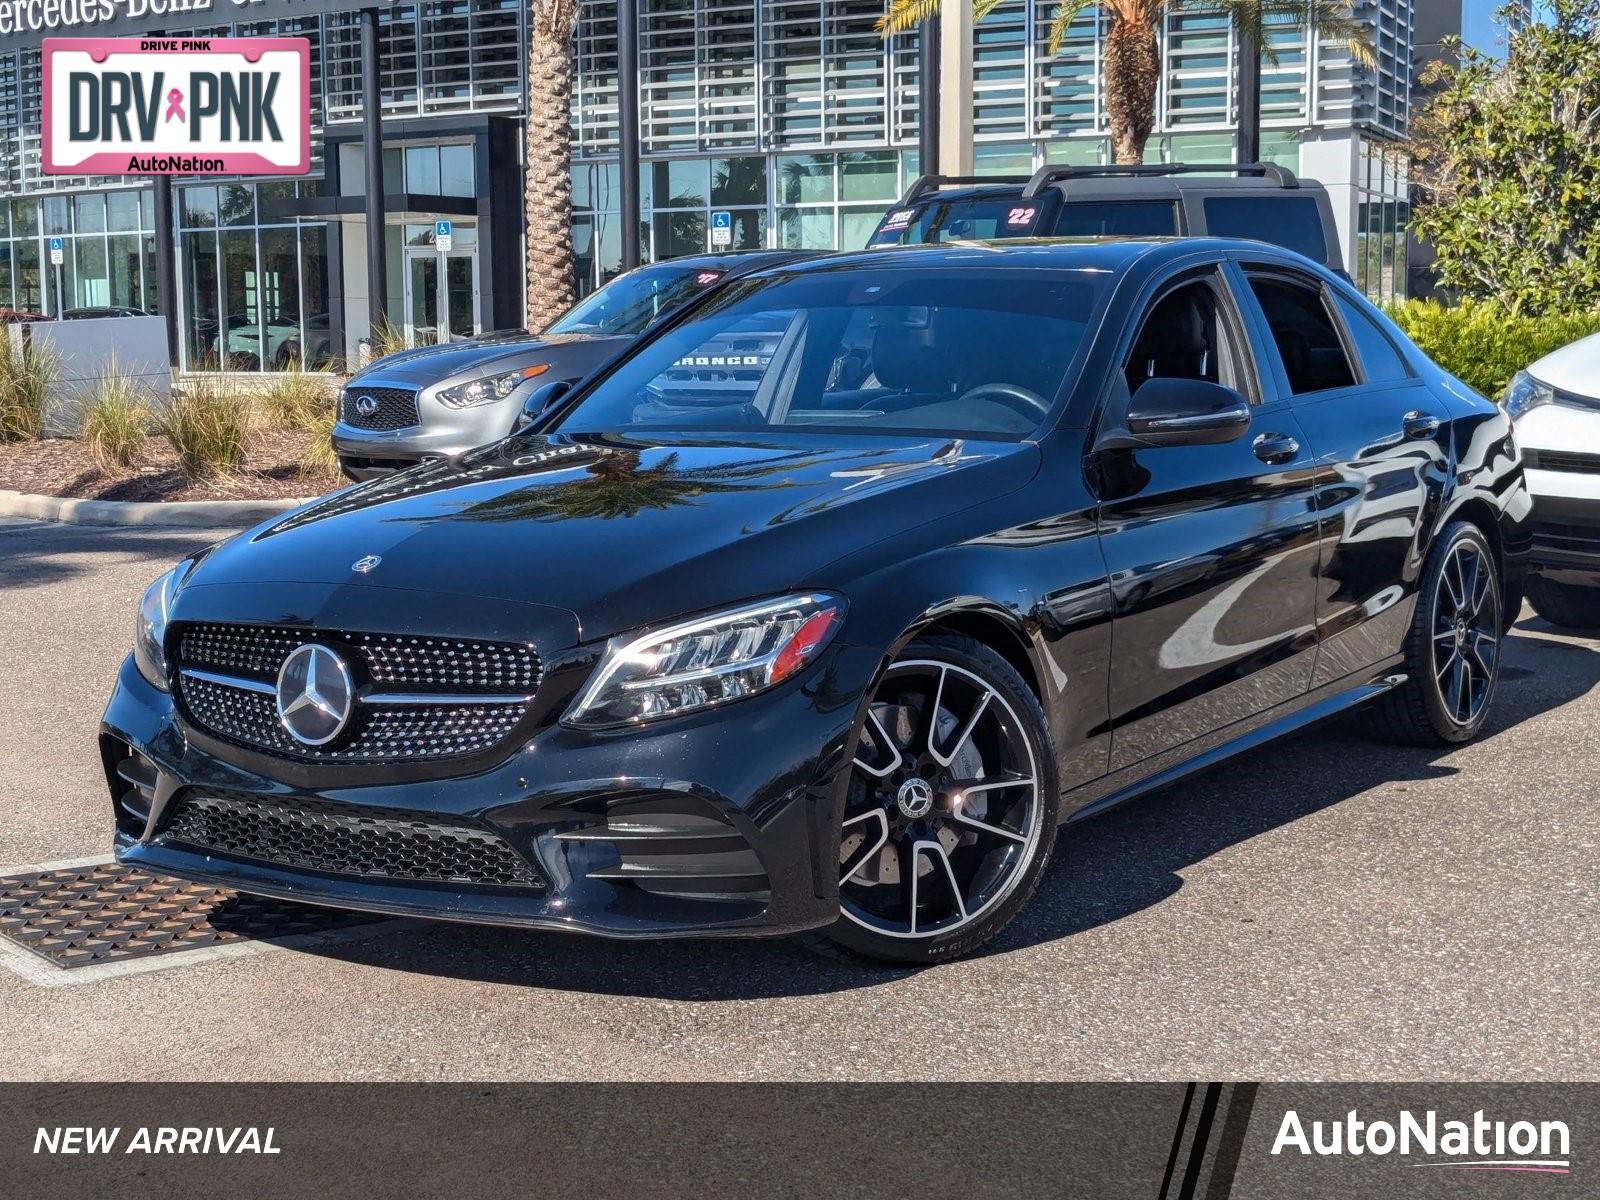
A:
x,y
1165,769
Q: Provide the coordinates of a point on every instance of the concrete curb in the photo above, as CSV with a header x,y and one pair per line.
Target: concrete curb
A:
x,y
190,514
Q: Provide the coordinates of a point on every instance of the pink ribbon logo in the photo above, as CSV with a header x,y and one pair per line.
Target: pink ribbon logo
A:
x,y
175,105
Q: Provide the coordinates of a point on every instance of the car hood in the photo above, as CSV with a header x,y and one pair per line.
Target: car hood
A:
x,y
431,364
1573,368
620,530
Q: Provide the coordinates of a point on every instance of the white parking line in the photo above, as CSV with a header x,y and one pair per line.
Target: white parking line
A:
x,y
41,972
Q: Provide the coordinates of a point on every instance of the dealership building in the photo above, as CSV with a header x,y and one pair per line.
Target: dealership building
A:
x,y
794,115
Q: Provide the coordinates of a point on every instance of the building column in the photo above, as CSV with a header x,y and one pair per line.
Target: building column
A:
x,y
372,159
955,73
167,264
628,129
928,126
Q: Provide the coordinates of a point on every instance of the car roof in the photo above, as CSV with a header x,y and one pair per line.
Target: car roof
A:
x,y
1111,187
1066,253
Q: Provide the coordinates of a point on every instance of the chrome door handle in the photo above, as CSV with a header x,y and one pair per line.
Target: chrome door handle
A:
x,y
1418,424
1275,447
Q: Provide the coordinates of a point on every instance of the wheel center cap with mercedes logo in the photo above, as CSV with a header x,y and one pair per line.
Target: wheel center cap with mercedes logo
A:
x,y
315,694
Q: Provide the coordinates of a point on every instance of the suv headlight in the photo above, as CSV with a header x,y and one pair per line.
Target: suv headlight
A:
x,y
698,664
1525,392
150,630
490,388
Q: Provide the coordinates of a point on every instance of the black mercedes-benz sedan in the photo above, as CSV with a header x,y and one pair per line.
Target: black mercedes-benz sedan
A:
x,y
822,607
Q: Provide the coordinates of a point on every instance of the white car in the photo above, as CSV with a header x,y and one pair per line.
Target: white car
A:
x,y
1555,406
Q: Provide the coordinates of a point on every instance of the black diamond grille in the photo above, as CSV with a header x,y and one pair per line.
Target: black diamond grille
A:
x,y
347,840
457,669
379,733
397,408
448,664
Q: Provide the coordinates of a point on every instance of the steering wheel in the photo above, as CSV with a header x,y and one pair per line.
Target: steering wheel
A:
x,y
1015,397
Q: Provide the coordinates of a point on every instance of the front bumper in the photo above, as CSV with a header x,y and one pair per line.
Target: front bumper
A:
x,y
441,432
681,829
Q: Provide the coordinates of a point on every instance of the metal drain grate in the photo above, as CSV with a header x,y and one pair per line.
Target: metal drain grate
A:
x,y
111,913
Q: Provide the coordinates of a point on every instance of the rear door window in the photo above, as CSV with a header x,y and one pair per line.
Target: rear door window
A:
x,y
1308,342
1283,219
1117,218
1380,361
979,219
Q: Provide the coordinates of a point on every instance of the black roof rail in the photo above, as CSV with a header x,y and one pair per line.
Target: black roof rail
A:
x,y
1045,176
927,184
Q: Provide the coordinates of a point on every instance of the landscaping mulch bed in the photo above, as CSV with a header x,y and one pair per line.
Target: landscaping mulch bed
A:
x,y
63,467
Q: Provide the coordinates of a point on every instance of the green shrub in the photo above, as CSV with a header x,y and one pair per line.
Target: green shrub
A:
x,y
296,400
208,424
114,420
1484,345
26,373
318,458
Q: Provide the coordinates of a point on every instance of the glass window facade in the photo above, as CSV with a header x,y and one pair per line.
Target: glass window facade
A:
x,y
795,115
254,292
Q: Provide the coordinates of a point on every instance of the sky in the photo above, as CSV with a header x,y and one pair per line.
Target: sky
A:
x,y
1478,27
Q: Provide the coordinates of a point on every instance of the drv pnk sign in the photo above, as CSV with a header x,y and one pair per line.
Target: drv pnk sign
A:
x,y
168,106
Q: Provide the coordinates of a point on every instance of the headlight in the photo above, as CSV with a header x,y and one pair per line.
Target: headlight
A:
x,y
702,663
1525,392
151,629
493,387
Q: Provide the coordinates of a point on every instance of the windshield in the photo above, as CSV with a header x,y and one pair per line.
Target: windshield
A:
x,y
629,303
959,220
981,352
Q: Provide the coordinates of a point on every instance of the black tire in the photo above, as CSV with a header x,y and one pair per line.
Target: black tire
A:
x,y
1431,708
1569,605
1002,850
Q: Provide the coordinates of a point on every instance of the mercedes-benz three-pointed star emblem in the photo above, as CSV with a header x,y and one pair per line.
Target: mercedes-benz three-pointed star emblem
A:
x,y
315,694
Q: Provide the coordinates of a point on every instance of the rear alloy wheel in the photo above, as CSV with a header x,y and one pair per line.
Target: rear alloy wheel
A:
x,y
1453,651
1569,605
951,807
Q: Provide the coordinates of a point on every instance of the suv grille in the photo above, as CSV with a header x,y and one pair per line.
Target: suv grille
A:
x,y
430,698
1561,460
347,840
396,407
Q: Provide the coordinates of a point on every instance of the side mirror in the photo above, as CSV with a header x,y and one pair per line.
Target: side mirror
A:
x,y
540,401
1181,412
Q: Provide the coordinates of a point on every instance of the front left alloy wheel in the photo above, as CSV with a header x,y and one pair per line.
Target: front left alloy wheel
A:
x,y
951,808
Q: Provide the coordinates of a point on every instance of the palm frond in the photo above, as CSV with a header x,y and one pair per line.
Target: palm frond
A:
x,y
1061,21
902,16
1332,20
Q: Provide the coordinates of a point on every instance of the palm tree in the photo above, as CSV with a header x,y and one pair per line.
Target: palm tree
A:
x,y
547,195
1132,49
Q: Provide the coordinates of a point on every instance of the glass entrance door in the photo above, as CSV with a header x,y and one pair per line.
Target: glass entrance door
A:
x,y
441,296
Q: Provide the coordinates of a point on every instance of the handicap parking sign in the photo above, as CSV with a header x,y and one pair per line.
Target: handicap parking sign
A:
x,y
722,228
442,236
56,251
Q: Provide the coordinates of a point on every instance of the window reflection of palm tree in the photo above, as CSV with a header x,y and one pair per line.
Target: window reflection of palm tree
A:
x,y
619,485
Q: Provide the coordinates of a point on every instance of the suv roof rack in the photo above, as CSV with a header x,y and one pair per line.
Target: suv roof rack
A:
x,y
1045,176
928,184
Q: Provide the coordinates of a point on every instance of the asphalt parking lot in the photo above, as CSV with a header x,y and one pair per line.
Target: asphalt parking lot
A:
x,y
1323,909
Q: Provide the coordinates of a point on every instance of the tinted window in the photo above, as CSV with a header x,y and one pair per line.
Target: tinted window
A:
x,y
953,350
1382,362
957,220
1309,345
1285,220
629,303
1143,218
